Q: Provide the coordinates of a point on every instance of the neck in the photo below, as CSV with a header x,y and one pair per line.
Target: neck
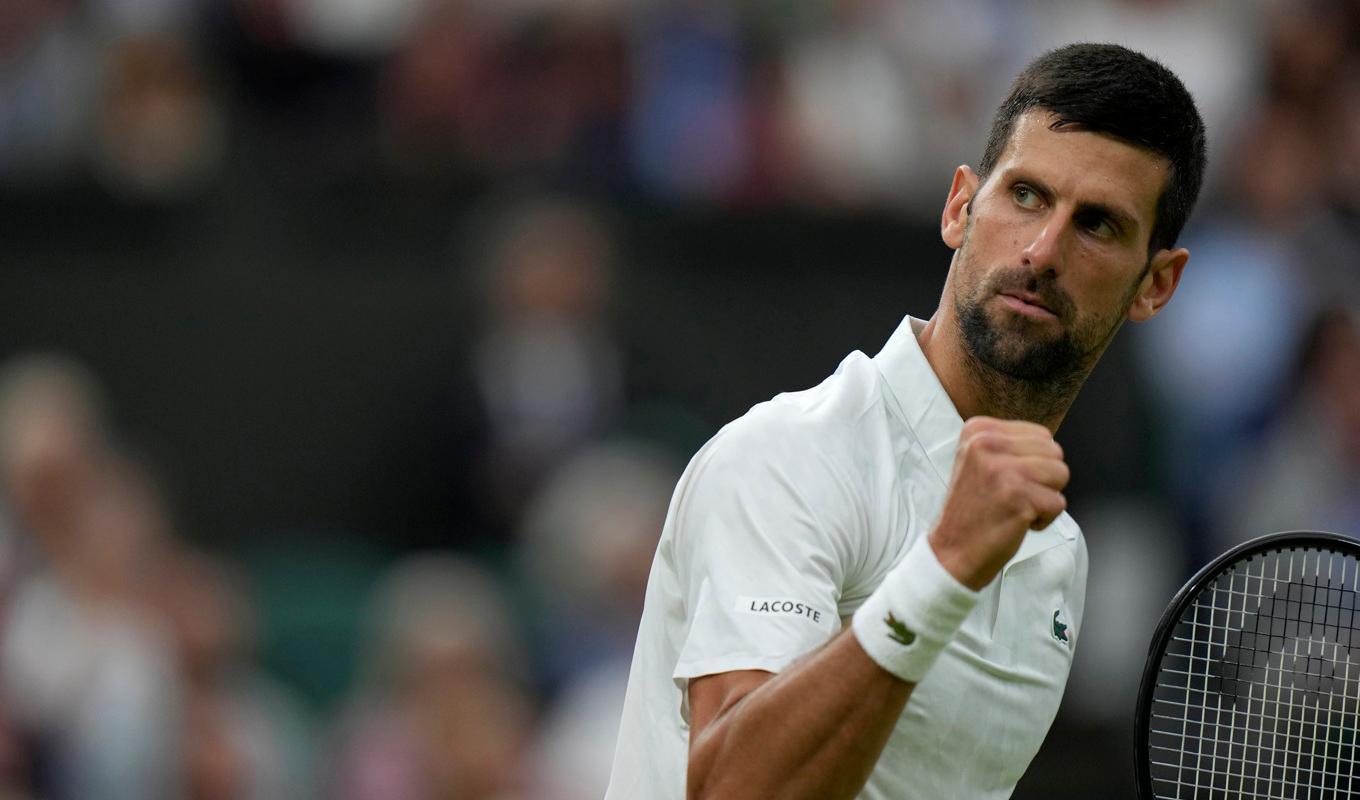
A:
x,y
979,390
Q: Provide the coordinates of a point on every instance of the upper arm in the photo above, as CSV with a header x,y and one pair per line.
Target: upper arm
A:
x,y
763,537
711,696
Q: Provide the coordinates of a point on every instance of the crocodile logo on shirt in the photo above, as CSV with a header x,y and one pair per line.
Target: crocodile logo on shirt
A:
x,y
900,633
1059,628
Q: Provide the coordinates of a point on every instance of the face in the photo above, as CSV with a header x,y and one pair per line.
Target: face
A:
x,y
1052,250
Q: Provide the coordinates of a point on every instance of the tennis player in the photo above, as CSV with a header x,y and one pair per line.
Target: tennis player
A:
x,y
872,588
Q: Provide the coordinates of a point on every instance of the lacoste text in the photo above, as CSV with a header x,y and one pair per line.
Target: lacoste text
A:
x,y
781,607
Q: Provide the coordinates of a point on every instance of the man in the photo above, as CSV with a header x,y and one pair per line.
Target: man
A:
x,y
872,588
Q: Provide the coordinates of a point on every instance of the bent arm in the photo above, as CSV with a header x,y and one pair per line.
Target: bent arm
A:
x,y
815,730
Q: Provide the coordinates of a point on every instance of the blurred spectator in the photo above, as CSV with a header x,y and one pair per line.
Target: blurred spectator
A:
x,y
503,87
1219,356
1331,244
885,98
352,28
52,445
84,667
601,513
1305,42
44,88
855,115
246,737
690,134
158,130
16,762
544,376
574,750
439,96
1306,475
956,49
442,711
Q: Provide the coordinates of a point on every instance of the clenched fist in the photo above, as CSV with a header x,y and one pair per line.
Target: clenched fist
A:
x,y
1008,479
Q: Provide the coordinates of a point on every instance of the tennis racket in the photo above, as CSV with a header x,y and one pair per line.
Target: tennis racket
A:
x,y
1252,683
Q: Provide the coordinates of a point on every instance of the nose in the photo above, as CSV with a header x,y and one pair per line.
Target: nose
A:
x,y
1044,251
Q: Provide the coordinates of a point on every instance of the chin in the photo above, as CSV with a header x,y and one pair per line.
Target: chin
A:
x,y
1021,349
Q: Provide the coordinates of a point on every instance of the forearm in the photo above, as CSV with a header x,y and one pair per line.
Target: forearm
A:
x,y
815,730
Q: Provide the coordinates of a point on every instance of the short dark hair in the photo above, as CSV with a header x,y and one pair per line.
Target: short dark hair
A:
x,y
1109,89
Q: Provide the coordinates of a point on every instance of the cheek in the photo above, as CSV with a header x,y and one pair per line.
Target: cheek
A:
x,y
1106,297
970,272
988,248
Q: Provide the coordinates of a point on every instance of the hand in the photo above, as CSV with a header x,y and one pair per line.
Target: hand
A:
x,y
1008,479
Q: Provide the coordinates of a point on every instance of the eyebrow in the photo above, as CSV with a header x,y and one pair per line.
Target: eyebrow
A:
x,y
1126,221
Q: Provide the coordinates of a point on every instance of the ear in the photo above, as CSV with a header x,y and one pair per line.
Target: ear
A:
x,y
954,220
1159,284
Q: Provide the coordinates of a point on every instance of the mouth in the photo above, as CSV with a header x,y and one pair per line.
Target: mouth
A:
x,y
1028,304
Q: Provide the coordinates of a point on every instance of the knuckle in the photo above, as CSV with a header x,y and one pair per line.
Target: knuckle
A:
x,y
1010,488
979,445
976,426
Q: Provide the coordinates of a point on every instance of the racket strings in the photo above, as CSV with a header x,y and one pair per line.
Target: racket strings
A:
x,y
1258,694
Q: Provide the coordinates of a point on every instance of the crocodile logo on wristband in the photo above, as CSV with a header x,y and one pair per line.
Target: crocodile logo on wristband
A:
x,y
900,633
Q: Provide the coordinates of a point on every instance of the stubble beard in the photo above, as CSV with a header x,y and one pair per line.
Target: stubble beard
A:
x,y
1016,347
1025,371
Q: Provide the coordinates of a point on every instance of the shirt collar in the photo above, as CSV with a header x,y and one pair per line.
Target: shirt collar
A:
x,y
922,402
920,397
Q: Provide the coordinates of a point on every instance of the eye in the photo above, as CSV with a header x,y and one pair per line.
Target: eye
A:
x,y
1025,197
1099,225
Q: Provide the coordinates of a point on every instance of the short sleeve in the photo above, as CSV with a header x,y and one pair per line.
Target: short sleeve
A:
x,y
763,536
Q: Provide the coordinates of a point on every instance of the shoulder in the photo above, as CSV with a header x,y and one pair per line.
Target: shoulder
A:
x,y
802,456
822,422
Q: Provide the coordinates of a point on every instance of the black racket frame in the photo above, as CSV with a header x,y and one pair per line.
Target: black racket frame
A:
x,y
1178,605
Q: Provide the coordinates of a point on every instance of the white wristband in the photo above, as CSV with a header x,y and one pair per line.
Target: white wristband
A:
x,y
913,614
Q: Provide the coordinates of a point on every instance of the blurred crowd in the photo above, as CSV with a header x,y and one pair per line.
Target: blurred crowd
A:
x,y
489,662
128,663
738,103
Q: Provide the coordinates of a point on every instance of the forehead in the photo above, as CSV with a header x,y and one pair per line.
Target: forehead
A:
x,y
1085,167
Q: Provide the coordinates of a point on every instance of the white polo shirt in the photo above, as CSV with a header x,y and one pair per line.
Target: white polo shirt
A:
x,y
779,529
